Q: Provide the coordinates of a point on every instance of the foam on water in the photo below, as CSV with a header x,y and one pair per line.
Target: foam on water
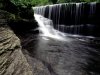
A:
x,y
47,30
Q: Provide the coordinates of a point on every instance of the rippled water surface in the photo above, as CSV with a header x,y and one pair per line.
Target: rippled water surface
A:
x,y
49,56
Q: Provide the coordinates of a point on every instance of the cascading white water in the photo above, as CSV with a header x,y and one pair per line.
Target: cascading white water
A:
x,y
46,29
92,8
72,18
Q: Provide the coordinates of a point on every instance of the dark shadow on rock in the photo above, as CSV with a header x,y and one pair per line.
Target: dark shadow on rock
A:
x,y
23,26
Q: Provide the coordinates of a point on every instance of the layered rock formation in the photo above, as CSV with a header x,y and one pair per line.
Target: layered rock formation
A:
x,y
12,60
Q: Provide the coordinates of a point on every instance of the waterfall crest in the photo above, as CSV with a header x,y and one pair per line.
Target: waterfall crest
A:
x,y
73,18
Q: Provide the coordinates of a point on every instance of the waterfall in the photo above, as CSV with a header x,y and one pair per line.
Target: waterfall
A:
x,y
73,18
46,29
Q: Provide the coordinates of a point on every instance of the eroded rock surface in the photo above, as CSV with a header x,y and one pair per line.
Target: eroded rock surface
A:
x,y
12,60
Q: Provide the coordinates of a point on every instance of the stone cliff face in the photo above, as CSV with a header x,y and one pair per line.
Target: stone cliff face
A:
x,y
12,60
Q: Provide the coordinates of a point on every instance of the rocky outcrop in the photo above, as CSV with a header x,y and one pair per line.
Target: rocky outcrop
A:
x,y
25,19
12,60
20,16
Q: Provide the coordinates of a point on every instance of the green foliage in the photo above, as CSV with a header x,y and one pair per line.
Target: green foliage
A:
x,y
64,1
89,0
29,2
21,2
44,2
40,2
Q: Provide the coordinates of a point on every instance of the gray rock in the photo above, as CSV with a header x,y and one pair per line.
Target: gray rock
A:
x,y
12,60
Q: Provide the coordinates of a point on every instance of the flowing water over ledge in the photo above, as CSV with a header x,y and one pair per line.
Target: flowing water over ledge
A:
x,y
73,18
56,53
46,28
67,55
